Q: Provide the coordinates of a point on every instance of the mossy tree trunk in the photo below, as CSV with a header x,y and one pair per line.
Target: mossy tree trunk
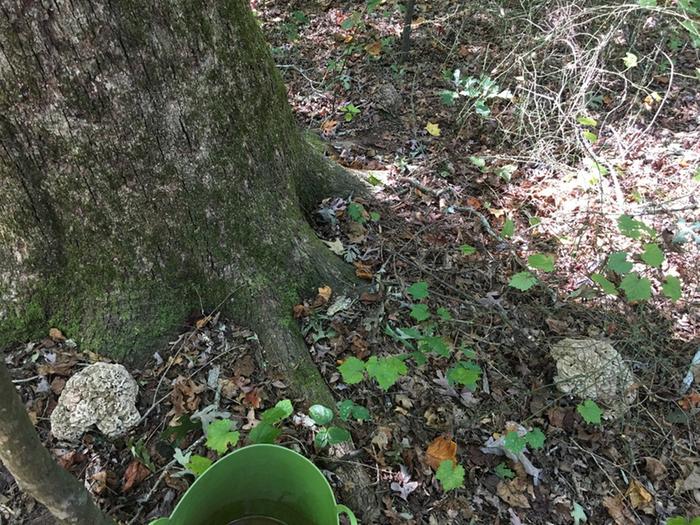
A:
x,y
150,162
149,165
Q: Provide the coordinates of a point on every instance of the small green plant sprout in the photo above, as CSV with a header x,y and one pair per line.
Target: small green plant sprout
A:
x,y
590,412
464,373
418,290
467,249
508,229
450,475
267,430
515,442
348,409
193,464
349,112
327,435
523,281
220,436
357,212
503,472
477,90
386,370
479,162
540,261
443,313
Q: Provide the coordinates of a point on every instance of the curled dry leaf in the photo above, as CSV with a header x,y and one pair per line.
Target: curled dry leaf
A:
x,y
618,511
56,335
439,450
655,469
135,473
514,492
639,497
323,296
300,311
363,271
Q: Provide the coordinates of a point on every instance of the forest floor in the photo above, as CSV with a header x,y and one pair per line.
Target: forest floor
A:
x,y
462,202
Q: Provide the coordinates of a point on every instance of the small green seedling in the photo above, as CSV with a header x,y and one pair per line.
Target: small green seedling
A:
x,y
590,412
267,430
348,409
349,111
327,435
450,475
503,472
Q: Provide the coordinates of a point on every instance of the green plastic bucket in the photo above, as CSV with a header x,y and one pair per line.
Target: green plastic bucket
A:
x,y
259,480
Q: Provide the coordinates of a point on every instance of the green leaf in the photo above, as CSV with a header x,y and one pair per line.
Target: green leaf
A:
x,y
607,286
633,228
352,370
264,432
374,216
590,411
587,121
450,476
653,255
464,373
198,465
345,408
503,472
534,221
514,442
535,438
647,3
220,436
360,413
677,520
540,261
448,97
385,370
338,435
320,414
478,162
696,176
506,172
420,312
466,249
630,60
578,514
418,290
618,263
590,136
444,314
481,108
636,288
508,229
356,212
436,344
672,288
523,281
281,410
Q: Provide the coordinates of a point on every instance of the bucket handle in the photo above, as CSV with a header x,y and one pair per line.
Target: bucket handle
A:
x,y
342,509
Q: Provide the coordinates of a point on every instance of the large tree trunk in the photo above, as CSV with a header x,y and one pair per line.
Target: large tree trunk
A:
x,y
149,165
150,162
34,468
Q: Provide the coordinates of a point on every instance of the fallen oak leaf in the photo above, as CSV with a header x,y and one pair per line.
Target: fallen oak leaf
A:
x,y
363,271
135,473
639,497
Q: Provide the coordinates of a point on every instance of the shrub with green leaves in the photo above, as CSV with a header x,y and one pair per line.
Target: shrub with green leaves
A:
x,y
267,430
477,90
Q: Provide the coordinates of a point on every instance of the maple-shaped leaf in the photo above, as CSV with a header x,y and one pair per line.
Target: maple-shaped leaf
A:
x,y
607,286
618,263
418,290
420,312
590,411
523,281
352,370
198,465
439,450
636,288
540,261
385,370
672,288
652,255
450,476
220,436
433,129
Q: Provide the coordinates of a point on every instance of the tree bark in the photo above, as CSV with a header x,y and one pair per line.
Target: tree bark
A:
x,y
150,166
33,467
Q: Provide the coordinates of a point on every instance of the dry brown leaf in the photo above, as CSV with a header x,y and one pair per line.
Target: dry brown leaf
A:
x,y
323,296
202,322
382,437
368,298
639,497
245,366
363,271
439,450
514,492
690,401
329,126
618,511
185,395
57,385
56,335
135,473
300,311
253,399
374,49
655,469
103,480
356,232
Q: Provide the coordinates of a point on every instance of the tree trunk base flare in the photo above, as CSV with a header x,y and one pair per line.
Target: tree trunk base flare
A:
x,y
151,166
33,467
